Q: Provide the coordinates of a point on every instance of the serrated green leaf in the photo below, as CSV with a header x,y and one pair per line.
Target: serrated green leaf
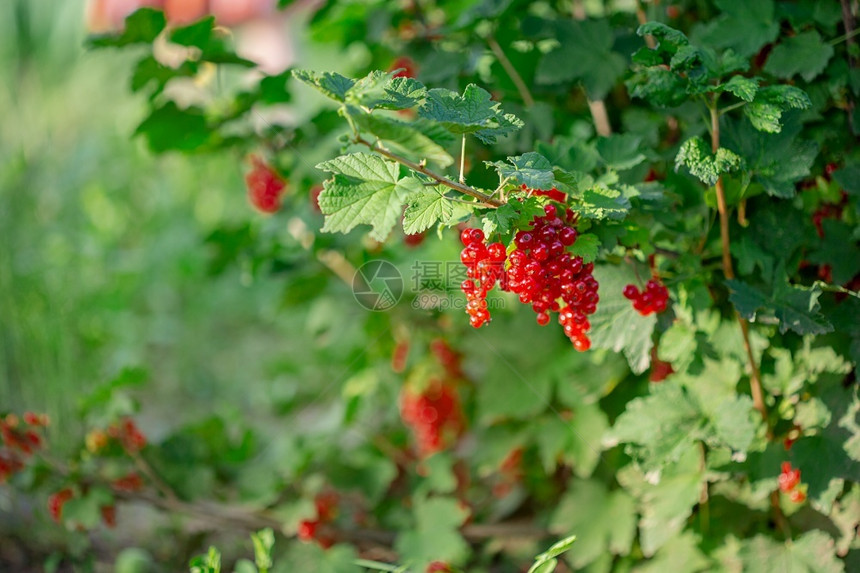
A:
x,y
795,307
744,88
530,169
170,128
805,54
777,161
765,111
602,203
473,112
141,27
733,423
587,247
669,39
602,521
659,428
696,156
584,54
812,552
381,90
616,325
435,536
426,208
366,189
405,138
658,86
620,152
681,553
743,26
332,84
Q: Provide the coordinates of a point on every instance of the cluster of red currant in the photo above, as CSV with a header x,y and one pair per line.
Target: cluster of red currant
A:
x,y
653,299
434,415
128,435
485,266
265,186
20,440
540,271
326,509
789,482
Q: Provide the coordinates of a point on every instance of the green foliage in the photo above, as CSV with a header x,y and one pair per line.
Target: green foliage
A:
x,y
659,448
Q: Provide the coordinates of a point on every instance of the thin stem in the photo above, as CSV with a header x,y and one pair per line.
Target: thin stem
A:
x,y
600,117
742,213
778,515
643,18
844,37
729,272
734,106
463,160
151,474
836,289
441,179
512,72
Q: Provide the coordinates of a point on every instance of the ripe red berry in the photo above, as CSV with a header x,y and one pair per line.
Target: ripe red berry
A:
x,y
307,530
130,482
315,197
434,415
407,67
56,502
265,186
414,240
788,478
109,515
797,496
438,567
326,506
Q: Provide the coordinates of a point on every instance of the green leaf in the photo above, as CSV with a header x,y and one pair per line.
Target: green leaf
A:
x,y
795,307
141,27
435,535
380,90
409,139
660,427
210,40
426,208
263,542
617,325
733,423
170,128
587,247
516,213
669,39
366,189
620,152
585,55
666,498
743,26
601,520
680,553
331,84
209,563
805,54
473,112
530,169
812,552
765,111
778,160
150,70
658,86
602,203
744,88
696,156
839,250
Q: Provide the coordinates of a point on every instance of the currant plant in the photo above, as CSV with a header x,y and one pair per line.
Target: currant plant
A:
x,y
675,184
